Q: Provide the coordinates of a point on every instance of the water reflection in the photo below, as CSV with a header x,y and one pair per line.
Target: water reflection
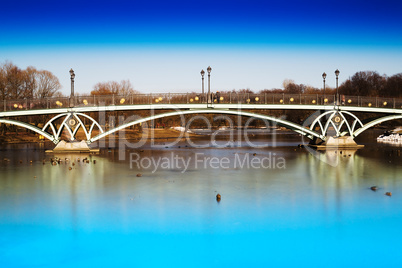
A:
x,y
104,207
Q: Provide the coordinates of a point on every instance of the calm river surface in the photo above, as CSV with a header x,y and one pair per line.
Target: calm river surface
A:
x,y
280,207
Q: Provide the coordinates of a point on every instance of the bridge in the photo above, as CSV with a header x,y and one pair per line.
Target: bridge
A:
x,y
329,115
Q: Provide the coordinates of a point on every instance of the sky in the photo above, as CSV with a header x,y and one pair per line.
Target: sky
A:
x,y
161,46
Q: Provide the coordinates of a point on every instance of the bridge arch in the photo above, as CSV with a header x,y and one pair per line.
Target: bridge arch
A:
x,y
72,131
56,133
375,122
330,117
30,127
295,127
309,132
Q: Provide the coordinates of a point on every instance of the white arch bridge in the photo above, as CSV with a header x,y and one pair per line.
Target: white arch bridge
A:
x,y
324,121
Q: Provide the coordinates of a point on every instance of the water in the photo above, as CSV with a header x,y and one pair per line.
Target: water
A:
x,y
101,214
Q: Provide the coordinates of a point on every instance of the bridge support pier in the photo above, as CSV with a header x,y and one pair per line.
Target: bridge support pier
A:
x,y
344,142
72,147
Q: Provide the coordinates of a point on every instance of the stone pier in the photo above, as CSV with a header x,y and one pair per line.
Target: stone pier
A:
x,y
76,147
345,142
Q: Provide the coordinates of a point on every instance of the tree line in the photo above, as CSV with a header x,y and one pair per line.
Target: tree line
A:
x,y
112,87
367,83
372,84
16,83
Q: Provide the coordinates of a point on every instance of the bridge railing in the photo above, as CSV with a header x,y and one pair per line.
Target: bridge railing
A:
x,y
377,102
197,98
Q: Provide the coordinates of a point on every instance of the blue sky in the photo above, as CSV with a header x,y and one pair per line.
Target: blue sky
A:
x,y
161,46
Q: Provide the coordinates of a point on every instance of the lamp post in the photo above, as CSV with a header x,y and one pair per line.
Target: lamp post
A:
x,y
72,76
202,77
337,95
324,75
209,69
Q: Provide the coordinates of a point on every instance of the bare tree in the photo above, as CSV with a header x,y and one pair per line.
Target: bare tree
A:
x,y
14,81
3,84
292,88
29,83
366,83
47,85
101,89
126,88
287,82
113,87
393,87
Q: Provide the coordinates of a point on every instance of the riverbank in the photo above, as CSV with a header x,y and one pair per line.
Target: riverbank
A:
x,y
133,135
162,133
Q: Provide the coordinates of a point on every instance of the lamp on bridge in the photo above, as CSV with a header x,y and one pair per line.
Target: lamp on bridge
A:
x,y
72,76
209,69
202,77
337,95
324,75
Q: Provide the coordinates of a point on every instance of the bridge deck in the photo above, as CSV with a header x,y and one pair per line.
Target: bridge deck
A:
x,y
195,106
172,101
192,103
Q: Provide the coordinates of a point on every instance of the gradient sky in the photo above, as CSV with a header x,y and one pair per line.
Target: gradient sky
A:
x,y
161,46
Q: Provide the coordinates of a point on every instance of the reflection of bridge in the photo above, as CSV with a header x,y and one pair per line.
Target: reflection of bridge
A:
x,y
327,116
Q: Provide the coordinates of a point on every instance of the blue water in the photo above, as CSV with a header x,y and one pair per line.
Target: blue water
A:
x,y
309,214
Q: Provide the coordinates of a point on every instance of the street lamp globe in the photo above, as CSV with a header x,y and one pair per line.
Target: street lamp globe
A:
x,y
209,98
202,72
337,94
72,74
324,75
337,72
